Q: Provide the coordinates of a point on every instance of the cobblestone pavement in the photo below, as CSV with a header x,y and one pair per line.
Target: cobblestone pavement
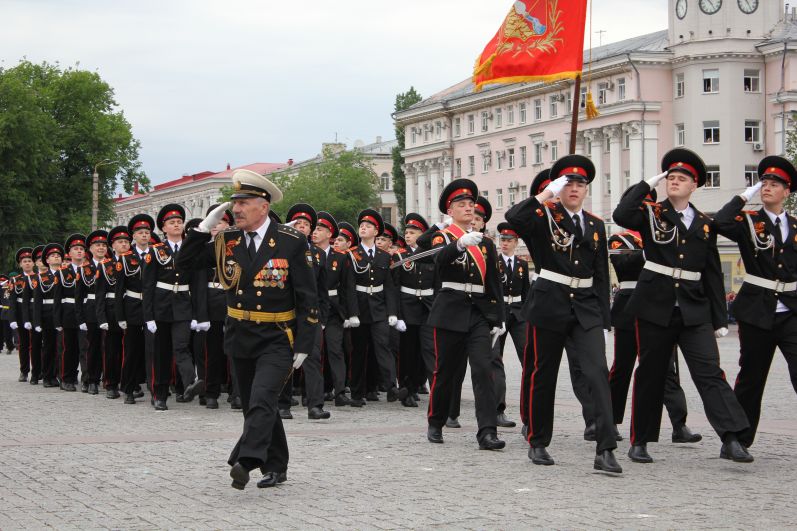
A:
x,y
69,460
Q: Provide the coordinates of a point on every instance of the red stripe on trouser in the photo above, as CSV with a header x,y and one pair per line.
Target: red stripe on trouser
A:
x,y
531,389
434,376
206,358
63,351
633,385
525,368
105,380
30,349
739,374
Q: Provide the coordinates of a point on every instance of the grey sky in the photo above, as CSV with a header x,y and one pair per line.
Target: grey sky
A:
x,y
209,82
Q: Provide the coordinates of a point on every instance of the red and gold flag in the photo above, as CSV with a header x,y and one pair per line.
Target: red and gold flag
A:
x,y
540,40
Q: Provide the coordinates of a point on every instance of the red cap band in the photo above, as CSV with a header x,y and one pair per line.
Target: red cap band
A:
x,y
573,170
303,215
370,219
509,232
415,223
326,223
456,193
121,235
25,255
75,243
141,225
54,251
348,234
684,167
480,209
98,239
779,173
172,214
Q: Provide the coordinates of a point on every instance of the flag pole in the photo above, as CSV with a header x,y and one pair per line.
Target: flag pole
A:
x,y
576,107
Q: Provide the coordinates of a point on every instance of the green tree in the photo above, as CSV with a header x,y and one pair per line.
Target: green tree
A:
x,y
341,183
404,101
791,153
55,125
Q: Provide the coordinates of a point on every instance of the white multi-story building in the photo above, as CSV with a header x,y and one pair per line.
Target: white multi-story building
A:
x,y
721,80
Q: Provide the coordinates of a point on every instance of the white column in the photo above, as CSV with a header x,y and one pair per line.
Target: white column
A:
x,y
596,155
651,149
434,192
579,143
421,177
409,188
615,171
448,171
636,171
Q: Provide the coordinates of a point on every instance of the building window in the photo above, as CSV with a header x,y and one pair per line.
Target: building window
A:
x,y
510,114
484,193
499,117
471,165
626,139
522,107
712,177
457,126
607,184
387,182
752,131
426,129
499,160
626,180
387,214
750,175
471,124
621,89
438,130
679,86
414,135
511,193
537,110
499,198
485,121
524,192
711,81
458,168
553,106
554,150
511,152
569,102
603,93
711,132
752,81
588,146
583,98
522,156
680,135
485,163
538,153
607,144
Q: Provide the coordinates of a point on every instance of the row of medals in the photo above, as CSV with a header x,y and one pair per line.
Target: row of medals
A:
x,y
277,274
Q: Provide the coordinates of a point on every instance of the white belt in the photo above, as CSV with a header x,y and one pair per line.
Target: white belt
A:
x,y
214,285
675,272
370,289
628,284
91,297
173,287
774,285
68,300
110,295
573,282
332,293
417,292
48,301
533,276
509,299
134,295
467,288
19,299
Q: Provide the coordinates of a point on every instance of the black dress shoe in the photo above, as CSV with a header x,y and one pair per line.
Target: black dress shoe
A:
x,y
130,399
394,393
453,423
317,413
491,442
180,399
34,381
294,402
286,414
48,384
23,377
540,456
504,422
70,387
434,435
160,405
373,396
138,393
112,393
423,390
212,403
197,387
235,403
682,434
638,453
239,475
732,449
589,432
357,402
409,402
203,401
329,397
606,462
617,436
342,400
84,387
94,389
272,479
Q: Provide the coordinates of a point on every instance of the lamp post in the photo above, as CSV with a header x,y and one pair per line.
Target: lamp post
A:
x,y
95,191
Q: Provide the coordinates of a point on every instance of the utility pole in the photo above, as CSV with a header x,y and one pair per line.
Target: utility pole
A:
x,y
600,36
95,191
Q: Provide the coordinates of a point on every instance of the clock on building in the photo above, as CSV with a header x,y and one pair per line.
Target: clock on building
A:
x,y
709,7
680,8
748,6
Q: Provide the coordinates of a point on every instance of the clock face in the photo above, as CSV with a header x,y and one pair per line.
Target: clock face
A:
x,y
709,7
748,6
680,8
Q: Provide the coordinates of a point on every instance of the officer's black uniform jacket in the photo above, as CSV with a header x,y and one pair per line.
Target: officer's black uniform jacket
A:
x,y
65,298
756,305
552,303
278,293
694,249
417,275
371,273
85,306
21,298
166,305
128,304
43,300
340,277
627,267
515,284
320,272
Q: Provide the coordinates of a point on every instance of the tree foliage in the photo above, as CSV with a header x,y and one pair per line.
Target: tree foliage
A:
x,y
55,126
341,183
404,101
791,153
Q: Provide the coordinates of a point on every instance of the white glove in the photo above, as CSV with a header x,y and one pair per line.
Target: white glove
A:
x,y
14,325
605,336
152,327
298,359
193,325
445,223
212,219
346,324
392,320
59,328
104,326
555,186
653,181
401,326
28,326
721,332
471,238
203,326
83,327
123,325
291,224
38,329
503,329
751,191
354,322
495,331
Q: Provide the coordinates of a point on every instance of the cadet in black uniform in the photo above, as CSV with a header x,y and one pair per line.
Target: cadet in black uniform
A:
x,y
767,301
86,313
679,300
272,315
36,335
43,313
65,316
110,272
20,313
570,303
6,333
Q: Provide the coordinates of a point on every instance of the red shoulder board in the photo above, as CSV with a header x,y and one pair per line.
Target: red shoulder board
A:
x,y
550,204
750,212
159,244
126,253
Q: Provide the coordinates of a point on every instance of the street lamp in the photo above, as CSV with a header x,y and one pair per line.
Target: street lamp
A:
x,y
95,191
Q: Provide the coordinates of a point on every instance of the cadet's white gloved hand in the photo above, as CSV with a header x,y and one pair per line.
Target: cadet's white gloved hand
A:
x,y
653,181
14,325
104,326
401,326
495,331
123,325
447,220
203,326
298,359
59,328
471,238
38,329
28,326
503,329
291,224
354,322
212,219
152,327
605,336
392,320
721,332
751,191
83,327
346,324
555,186
193,325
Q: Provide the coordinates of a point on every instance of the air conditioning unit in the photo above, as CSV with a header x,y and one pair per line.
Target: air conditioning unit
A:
x,y
544,145
758,146
610,85
558,97
514,184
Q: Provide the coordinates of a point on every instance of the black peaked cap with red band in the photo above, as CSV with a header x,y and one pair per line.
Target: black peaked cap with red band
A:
x,y
327,220
119,233
140,221
685,161
75,240
228,217
575,167
457,190
390,232
302,211
539,183
415,221
168,212
24,252
779,168
37,252
373,217
506,231
154,238
192,223
483,208
51,248
348,231
97,236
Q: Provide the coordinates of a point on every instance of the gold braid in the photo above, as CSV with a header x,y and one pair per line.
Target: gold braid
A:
x,y
229,275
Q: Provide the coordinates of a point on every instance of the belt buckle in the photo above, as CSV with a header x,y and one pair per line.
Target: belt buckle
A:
x,y
574,282
174,288
780,286
370,290
511,298
418,292
677,273
468,288
246,315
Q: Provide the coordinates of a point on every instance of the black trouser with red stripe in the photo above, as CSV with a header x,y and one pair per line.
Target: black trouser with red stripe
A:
x,y
210,361
451,349
371,339
334,353
171,347
585,345
24,348
132,357
70,354
49,353
313,379
91,364
112,356
516,329
625,356
410,360
757,347
35,355
699,348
